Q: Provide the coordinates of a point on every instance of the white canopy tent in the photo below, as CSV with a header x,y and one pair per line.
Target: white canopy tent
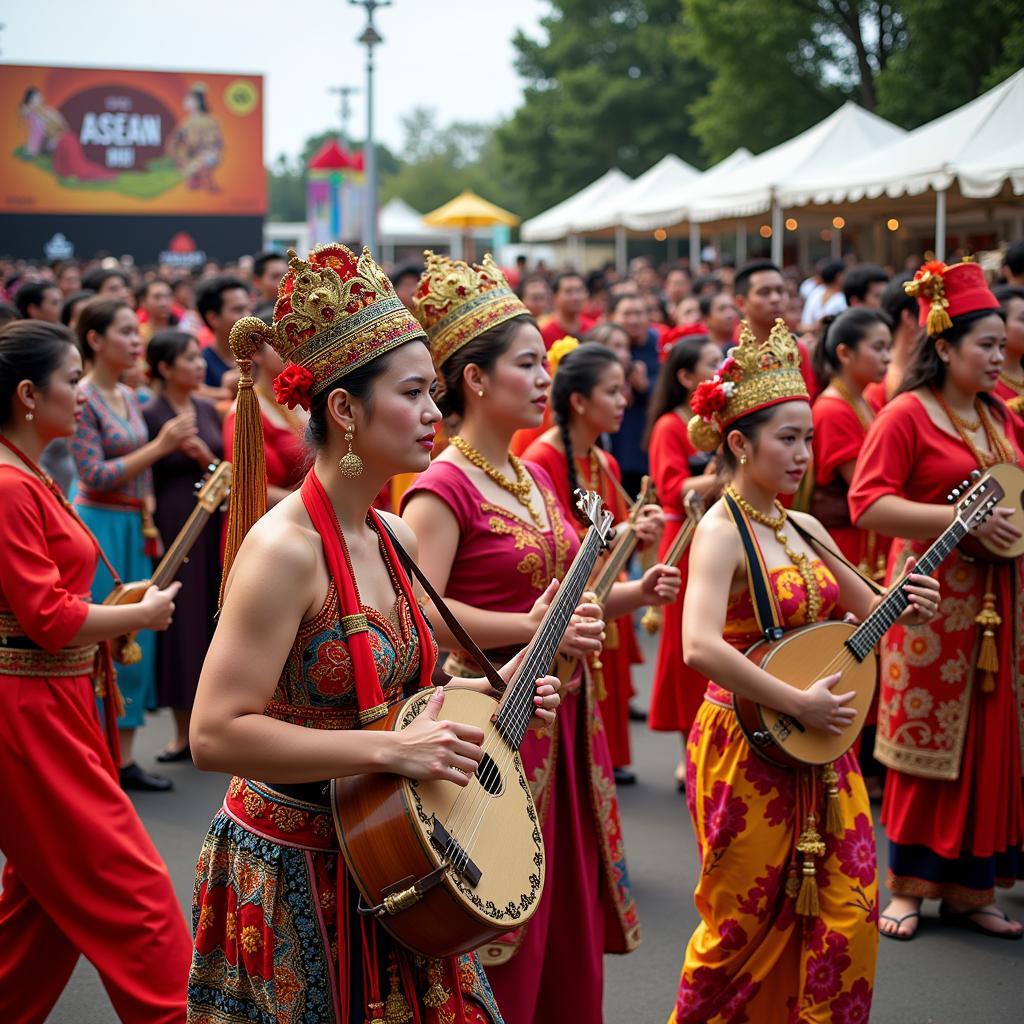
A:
x,y
818,154
978,146
558,222
401,225
669,173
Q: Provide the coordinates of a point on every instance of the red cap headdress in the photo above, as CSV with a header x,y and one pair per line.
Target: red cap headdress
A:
x,y
945,292
753,377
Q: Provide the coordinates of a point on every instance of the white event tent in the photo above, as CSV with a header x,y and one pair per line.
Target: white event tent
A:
x,y
820,153
977,146
558,222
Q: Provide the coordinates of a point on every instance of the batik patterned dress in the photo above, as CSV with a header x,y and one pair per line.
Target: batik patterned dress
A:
x,y
277,936
551,970
752,957
111,505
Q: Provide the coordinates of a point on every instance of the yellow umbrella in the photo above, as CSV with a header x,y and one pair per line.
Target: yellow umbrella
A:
x,y
466,212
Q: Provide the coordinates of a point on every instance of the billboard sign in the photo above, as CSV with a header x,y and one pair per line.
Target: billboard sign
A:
x,y
92,141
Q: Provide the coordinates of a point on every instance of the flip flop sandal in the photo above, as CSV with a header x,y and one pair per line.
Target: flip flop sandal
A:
x,y
965,919
898,921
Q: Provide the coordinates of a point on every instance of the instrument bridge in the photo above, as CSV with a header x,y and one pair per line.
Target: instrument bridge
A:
x,y
452,851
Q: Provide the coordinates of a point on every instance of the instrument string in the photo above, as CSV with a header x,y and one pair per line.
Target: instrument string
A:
x,y
469,809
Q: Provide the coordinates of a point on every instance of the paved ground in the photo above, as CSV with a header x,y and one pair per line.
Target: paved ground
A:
x,y
943,977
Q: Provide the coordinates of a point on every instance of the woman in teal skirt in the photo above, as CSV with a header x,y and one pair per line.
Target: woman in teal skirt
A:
x,y
113,454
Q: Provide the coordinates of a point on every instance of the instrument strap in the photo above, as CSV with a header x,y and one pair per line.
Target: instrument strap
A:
x,y
468,643
829,549
765,608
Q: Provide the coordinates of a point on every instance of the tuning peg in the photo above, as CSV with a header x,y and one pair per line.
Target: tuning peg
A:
x,y
211,467
953,494
975,474
197,486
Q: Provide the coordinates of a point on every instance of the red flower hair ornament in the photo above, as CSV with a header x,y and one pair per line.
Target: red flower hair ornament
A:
x,y
291,386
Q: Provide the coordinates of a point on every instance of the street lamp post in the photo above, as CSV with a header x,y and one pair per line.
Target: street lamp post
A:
x,y
344,92
370,38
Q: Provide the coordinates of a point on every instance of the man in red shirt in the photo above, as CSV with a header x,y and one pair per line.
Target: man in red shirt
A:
x,y
570,294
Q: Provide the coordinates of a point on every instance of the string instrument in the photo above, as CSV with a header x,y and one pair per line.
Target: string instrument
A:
x,y
812,652
1011,479
693,505
618,558
446,868
210,495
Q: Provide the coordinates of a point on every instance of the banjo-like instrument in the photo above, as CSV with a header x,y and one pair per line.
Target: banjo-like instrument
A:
x,y
609,573
1011,479
210,495
446,868
820,649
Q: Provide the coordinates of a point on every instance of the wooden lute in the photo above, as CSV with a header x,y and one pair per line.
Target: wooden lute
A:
x,y
609,573
694,505
211,494
446,868
1011,479
812,652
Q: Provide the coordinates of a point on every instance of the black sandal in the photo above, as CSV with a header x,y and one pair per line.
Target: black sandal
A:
x,y
899,921
965,919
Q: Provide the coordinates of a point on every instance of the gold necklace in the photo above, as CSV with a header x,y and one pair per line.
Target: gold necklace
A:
x,y
521,488
802,562
1017,386
998,451
855,402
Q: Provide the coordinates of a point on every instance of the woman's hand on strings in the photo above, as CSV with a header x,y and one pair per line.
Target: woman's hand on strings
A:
x,y
432,748
998,529
922,593
585,633
157,607
660,584
820,708
649,525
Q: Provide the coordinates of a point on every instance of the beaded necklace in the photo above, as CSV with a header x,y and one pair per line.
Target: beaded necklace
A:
x,y
802,562
999,450
521,488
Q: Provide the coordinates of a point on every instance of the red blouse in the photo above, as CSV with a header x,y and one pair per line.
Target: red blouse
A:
x,y
285,452
48,561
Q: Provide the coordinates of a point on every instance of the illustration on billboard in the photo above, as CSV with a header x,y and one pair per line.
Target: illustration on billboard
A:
x,y
108,141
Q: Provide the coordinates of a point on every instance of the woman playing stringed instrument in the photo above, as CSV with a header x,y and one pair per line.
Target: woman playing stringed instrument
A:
x,y
319,633
951,693
493,536
677,468
82,876
587,400
788,891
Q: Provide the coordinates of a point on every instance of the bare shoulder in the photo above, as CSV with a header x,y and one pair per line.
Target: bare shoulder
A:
x,y
403,531
282,547
811,525
717,531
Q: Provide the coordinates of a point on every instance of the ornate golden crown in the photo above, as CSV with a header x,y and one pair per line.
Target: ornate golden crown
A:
x,y
334,313
753,377
456,302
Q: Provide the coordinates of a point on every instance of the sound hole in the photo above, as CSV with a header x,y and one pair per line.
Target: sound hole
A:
x,y
489,777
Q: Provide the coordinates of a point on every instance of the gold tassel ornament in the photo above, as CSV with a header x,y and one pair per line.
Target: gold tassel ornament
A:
x,y
833,817
809,845
249,473
988,654
396,1009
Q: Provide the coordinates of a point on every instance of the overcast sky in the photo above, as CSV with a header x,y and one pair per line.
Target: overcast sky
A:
x,y
453,55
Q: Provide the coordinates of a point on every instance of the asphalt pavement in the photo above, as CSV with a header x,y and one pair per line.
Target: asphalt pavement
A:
x,y
944,976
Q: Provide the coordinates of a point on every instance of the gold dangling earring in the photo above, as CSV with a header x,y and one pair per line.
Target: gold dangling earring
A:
x,y
29,416
743,460
350,464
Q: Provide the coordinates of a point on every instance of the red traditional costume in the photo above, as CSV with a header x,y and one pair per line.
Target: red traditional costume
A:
x,y
551,970
678,690
82,876
277,933
952,732
757,955
614,681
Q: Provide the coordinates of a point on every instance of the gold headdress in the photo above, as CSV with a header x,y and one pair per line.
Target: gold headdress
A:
x,y
753,377
334,313
456,302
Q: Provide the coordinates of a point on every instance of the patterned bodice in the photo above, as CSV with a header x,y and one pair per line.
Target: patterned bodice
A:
x,y
317,689
741,628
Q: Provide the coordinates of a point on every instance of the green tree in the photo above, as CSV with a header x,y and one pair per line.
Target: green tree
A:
x,y
956,52
607,87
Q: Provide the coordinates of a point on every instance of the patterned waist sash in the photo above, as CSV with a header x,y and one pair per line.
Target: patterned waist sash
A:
x,y
280,818
21,656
